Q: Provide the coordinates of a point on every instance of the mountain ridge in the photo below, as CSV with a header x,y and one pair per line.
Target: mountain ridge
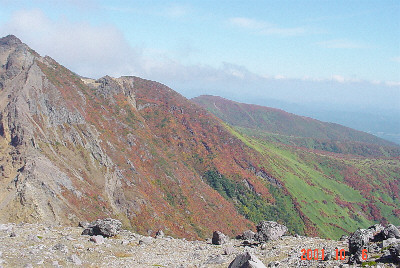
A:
x,y
76,148
296,128
99,147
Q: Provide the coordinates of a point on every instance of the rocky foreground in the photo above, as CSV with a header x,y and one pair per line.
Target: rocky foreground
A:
x,y
103,244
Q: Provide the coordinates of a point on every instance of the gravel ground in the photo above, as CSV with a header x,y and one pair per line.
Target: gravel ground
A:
x,y
37,245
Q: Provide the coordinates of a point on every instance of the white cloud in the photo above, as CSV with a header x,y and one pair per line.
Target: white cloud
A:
x,y
86,49
341,43
338,78
264,28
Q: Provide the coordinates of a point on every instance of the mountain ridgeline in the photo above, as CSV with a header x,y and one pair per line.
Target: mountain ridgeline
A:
x,y
279,126
75,148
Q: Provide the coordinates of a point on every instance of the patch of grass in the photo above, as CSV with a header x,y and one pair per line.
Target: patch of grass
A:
x,y
314,186
253,206
370,263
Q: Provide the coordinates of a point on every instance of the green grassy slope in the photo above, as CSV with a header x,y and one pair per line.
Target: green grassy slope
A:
x,y
338,178
323,185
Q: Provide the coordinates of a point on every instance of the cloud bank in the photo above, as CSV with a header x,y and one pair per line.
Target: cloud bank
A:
x,y
86,49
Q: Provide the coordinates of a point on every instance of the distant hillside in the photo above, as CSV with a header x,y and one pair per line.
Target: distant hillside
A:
x,y
279,126
337,180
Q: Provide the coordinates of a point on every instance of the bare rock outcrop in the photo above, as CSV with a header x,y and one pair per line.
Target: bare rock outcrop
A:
x,y
357,242
219,238
270,230
377,239
395,252
246,260
391,231
247,235
104,227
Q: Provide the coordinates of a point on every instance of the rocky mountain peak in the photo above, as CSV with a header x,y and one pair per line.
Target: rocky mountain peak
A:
x,y
15,57
10,40
71,142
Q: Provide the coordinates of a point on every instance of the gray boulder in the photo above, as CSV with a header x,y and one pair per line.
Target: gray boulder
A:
x,y
84,224
248,235
391,231
357,242
373,248
215,260
88,231
105,227
246,260
376,230
359,239
395,252
160,234
219,238
329,256
270,230
390,241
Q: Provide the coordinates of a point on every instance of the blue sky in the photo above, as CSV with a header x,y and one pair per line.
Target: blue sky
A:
x,y
294,39
337,52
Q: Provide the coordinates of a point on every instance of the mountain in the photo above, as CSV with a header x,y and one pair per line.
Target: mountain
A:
x,y
279,126
337,176
74,148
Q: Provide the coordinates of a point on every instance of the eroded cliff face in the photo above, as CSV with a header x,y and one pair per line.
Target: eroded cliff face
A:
x,y
32,109
75,149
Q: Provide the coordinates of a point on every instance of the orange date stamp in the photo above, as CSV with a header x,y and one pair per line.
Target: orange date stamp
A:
x,y
310,254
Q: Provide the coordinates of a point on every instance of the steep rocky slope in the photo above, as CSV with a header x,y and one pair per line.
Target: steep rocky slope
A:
x,y
74,148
